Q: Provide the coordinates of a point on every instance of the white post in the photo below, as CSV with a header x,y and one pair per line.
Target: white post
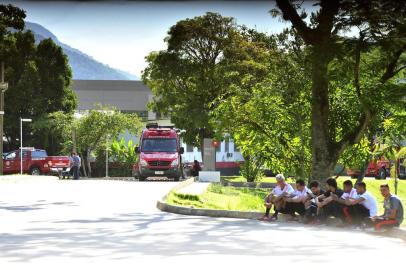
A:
x,y
21,146
107,157
21,141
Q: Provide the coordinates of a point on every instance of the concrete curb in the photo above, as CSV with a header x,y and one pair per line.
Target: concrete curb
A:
x,y
206,212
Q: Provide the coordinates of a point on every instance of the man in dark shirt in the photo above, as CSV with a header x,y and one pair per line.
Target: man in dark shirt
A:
x,y
326,205
311,206
393,215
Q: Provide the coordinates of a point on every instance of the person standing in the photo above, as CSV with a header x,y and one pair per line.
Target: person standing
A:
x,y
76,166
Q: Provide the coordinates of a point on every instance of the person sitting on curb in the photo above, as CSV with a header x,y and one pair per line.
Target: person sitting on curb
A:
x,y
296,203
311,206
326,206
275,198
363,206
350,193
393,215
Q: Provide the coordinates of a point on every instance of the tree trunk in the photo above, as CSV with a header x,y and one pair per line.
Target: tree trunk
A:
x,y
323,156
89,168
397,162
363,170
83,165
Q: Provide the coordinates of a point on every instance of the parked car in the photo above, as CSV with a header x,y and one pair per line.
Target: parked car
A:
x,y
380,169
35,162
159,153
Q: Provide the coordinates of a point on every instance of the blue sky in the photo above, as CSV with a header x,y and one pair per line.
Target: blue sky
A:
x,y
122,33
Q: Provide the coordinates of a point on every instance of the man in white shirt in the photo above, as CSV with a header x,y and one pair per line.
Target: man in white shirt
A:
x,y
296,202
275,198
350,193
364,205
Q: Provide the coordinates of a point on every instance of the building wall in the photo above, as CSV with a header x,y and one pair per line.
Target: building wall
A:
x,y
222,154
128,96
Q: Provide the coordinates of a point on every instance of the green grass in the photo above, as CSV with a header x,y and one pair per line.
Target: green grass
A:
x,y
223,198
250,199
268,179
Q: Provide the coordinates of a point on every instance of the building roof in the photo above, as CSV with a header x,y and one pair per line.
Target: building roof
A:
x,y
123,95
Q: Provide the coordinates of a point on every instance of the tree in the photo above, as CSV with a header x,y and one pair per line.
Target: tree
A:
x,y
96,127
189,76
380,25
391,140
10,18
269,117
39,80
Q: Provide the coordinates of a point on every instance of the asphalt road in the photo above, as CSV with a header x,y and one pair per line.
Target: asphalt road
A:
x,y
49,224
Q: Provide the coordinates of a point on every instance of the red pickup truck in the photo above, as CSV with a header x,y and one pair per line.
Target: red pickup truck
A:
x,y
35,162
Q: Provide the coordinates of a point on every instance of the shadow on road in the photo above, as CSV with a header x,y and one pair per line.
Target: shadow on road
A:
x,y
127,235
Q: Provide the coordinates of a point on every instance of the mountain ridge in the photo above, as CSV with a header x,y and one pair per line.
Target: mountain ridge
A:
x,y
84,67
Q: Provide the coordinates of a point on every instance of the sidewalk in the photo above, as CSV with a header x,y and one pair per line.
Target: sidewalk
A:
x,y
15,178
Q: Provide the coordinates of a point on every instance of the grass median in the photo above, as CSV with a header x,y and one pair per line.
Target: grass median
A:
x,y
251,199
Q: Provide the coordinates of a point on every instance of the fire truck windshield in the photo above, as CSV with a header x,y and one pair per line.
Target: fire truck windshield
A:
x,y
159,145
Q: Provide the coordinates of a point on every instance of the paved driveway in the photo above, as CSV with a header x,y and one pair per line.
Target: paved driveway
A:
x,y
112,224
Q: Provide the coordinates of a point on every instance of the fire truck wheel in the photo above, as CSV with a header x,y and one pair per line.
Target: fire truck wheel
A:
x,y
382,174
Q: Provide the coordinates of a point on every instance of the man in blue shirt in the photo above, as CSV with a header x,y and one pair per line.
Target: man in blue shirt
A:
x,y
76,166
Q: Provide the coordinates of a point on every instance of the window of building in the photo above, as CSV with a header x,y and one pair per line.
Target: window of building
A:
x,y
227,146
189,148
236,149
218,149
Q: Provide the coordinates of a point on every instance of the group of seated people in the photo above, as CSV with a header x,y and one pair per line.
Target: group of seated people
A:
x,y
353,206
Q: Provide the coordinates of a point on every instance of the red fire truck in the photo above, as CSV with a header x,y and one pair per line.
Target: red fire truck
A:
x,y
379,169
159,153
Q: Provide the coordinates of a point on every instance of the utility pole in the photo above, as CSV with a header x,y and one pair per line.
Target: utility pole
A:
x,y
3,88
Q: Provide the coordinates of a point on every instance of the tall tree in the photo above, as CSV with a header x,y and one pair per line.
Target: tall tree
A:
x,y
39,83
381,26
96,127
269,119
11,17
188,77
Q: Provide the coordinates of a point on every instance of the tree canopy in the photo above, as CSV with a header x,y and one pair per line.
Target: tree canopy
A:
x,y
203,56
39,79
363,69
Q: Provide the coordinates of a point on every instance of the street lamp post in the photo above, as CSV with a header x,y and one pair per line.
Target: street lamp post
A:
x,y
21,141
3,88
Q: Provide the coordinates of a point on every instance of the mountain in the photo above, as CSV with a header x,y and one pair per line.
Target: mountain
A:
x,y
84,67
